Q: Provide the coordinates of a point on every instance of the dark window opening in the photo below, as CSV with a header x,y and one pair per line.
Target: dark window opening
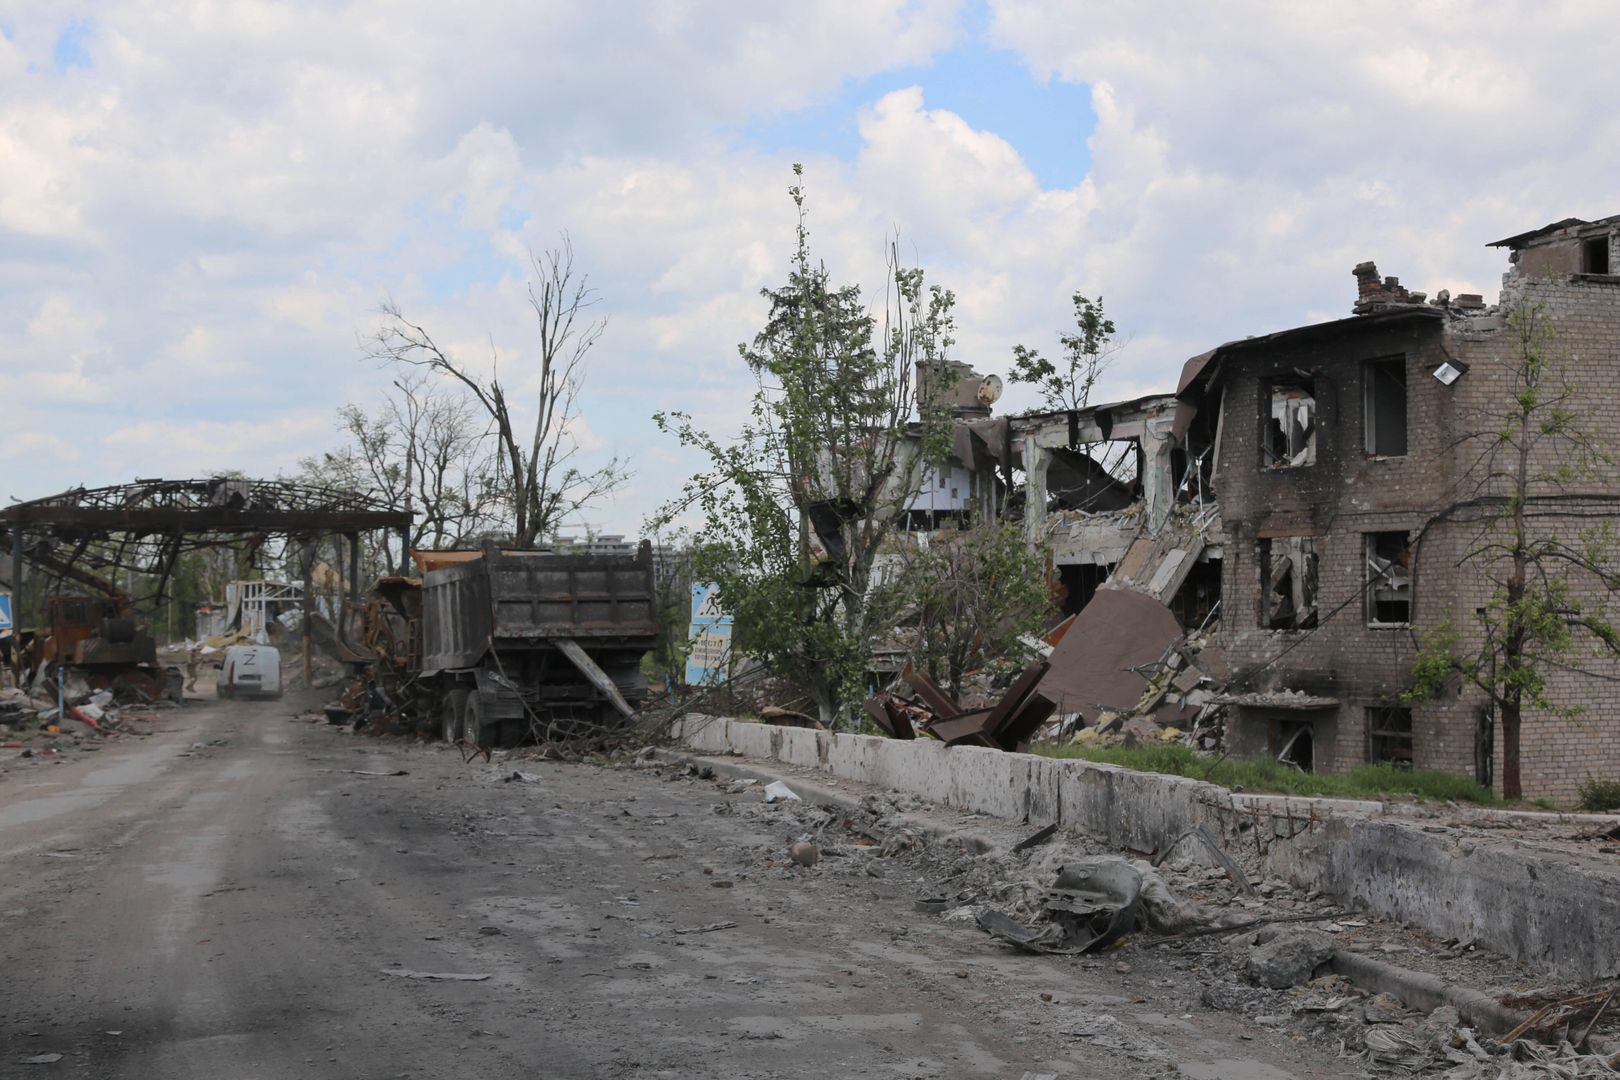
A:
x,y
1288,583
1389,736
1389,579
1290,425
1595,255
1195,601
1386,407
1298,745
1080,582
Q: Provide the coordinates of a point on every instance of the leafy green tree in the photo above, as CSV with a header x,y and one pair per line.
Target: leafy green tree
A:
x,y
1087,353
796,508
1529,458
970,594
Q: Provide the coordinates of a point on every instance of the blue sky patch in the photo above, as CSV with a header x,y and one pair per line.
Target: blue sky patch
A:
x,y
1047,123
72,46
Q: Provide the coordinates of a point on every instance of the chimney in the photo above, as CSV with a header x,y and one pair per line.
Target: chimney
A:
x,y
1373,294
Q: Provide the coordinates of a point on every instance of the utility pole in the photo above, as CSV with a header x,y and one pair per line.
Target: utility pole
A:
x,y
309,567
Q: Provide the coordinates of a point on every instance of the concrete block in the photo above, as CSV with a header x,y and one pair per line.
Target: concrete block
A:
x,y
755,740
851,757
802,747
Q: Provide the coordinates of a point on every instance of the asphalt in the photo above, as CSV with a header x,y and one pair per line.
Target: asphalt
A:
x,y
235,896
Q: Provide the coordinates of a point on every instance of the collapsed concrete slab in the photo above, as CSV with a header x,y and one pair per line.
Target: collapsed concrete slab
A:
x,y
1558,913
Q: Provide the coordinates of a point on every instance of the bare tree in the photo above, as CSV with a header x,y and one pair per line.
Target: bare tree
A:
x,y
537,475
424,450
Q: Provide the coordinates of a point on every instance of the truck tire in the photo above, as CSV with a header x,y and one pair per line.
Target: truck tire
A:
x,y
475,731
451,715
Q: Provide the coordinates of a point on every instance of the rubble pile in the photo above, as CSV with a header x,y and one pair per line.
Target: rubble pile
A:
x,y
1009,724
1197,918
1179,703
32,722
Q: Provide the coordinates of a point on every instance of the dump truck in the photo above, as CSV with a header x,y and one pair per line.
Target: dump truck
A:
x,y
496,645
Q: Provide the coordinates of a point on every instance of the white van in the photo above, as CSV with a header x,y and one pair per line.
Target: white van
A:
x,y
250,671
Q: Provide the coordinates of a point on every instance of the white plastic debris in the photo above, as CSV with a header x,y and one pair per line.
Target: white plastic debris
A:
x,y
776,791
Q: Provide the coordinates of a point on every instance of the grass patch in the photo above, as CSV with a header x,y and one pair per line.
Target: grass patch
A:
x,y
1362,782
1600,796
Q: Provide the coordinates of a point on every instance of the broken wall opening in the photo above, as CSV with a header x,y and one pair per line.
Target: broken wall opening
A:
x,y
1389,735
1080,583
1288,582
1389,579
1595,255
1384,412
1198,596
1290,441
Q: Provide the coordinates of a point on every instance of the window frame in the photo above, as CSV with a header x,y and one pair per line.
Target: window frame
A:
x,y
1378,732
1369,541
1270,385
1369,429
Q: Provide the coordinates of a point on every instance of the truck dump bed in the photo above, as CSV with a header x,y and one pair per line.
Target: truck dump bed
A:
x,y
518,600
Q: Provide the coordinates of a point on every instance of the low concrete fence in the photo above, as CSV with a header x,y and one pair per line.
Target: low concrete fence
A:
x,y
1545,910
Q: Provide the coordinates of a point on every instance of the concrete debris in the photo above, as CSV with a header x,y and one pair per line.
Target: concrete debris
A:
x,y
776,791
1095,902
804,854
1289,958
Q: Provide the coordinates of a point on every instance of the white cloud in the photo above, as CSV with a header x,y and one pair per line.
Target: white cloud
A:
x,y
196,228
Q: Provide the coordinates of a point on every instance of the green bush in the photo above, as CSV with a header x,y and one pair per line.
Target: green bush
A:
x,y
1600,796
1267,775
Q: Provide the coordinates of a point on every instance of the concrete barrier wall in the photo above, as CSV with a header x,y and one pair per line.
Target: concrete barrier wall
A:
x,y
1544,911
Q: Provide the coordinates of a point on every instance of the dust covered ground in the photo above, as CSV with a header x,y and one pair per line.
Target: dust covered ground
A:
x,y
247,894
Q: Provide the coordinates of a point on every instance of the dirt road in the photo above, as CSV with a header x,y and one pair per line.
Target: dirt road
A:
x,y
228,897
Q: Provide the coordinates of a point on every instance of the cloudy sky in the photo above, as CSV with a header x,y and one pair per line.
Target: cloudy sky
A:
x,y
202,205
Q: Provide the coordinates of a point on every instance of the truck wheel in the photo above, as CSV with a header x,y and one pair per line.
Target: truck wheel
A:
x,y
451,714
473,728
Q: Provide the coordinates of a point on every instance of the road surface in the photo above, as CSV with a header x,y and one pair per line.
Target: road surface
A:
x,y
237,895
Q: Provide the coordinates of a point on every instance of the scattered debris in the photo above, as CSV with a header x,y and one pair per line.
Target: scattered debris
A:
x,y
804,853
1233,870
708,928
776,791
518,776
1289,957
433,976
1094,903
1037,839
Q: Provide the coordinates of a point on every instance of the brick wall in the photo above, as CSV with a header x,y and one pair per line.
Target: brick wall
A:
x,y
1347,494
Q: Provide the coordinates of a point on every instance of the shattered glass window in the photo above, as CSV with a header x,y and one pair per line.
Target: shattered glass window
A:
x,y
1288,583
1389,579
1290,426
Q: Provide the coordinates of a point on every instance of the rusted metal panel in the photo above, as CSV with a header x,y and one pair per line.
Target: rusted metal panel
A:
x,y
1091,667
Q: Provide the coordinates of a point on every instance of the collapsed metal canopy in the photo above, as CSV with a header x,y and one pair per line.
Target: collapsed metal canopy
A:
x,y
217,505
144,526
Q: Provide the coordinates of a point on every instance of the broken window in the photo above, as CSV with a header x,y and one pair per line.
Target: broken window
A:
x,y
1291,425
1595,255
1298,745
1389,579
1288,583
1385,418
1389,735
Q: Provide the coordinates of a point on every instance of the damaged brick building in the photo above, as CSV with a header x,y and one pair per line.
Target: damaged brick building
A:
x,y
1349,497
1312,495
